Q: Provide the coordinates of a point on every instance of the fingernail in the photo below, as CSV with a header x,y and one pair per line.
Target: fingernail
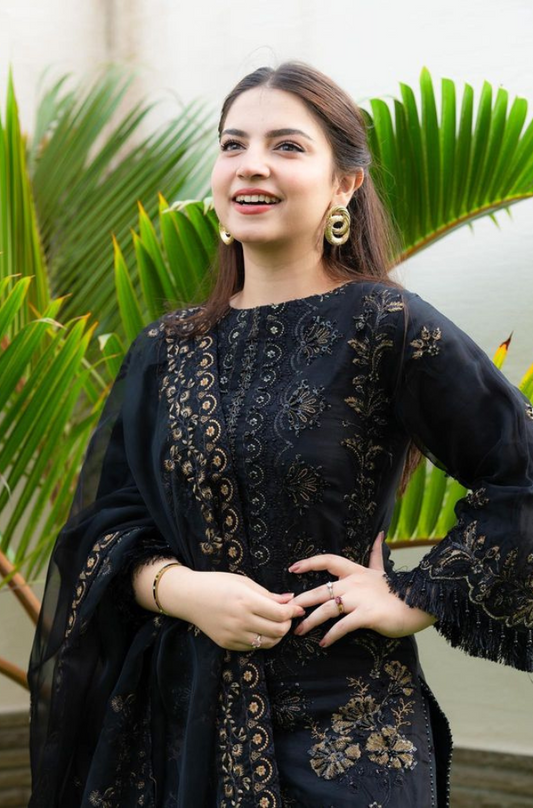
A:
x,y
286,594
294,568
381,535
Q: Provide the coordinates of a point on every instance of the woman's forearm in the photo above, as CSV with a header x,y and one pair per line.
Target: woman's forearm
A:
x,y
172,581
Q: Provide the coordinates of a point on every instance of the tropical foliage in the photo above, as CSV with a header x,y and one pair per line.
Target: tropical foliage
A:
x,y
75,288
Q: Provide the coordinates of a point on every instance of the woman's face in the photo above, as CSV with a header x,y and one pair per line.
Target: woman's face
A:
x,y
295,167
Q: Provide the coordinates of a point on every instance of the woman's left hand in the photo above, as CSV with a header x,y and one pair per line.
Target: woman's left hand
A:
x,y
366,598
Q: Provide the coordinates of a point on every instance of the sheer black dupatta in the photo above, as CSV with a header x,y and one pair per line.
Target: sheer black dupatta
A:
x,y
148,712
80,643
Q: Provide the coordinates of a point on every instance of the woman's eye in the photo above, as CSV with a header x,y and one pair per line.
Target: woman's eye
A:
x,y
288,143
224,146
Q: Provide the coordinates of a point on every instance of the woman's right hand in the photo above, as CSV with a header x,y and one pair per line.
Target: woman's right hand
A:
x,y
231,609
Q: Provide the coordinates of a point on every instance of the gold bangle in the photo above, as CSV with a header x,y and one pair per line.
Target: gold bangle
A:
x,y
156,582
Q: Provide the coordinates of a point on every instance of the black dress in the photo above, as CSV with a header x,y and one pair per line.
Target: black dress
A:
x,y
278,436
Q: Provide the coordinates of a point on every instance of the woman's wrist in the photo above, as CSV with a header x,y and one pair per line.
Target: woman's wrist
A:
x,y
171,589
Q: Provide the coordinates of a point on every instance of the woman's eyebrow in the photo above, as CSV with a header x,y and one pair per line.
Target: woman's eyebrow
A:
x,y
271,133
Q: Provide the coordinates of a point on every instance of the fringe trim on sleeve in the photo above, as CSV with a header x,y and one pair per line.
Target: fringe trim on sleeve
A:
x,y
462,623
146,550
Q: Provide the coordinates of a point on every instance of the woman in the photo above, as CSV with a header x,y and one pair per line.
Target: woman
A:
x,y
222,624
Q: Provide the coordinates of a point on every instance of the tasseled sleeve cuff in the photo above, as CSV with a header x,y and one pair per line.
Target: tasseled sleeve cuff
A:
x,y
147,550
462,623
465,416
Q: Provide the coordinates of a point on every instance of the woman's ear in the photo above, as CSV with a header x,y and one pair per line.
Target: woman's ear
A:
x,y
347,186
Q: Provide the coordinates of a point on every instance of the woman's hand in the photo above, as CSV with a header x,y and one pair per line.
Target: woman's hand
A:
x,y
366,598
231,609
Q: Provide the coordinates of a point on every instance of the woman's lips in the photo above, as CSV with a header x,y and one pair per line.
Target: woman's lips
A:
x,y
257,208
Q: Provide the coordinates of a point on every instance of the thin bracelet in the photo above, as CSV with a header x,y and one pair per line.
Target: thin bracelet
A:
x,y
156,581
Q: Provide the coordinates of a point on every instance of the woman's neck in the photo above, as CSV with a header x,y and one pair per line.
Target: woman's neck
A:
x,y
275,282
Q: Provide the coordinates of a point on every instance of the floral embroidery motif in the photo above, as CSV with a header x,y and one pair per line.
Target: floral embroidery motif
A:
x,y
133,779
97,561
389,748
491,579
197,451
427,342
270,394
237,785
334,755
369,402
529,411
315,338
368,729
476,498
202,467
301,406
288,707
304,484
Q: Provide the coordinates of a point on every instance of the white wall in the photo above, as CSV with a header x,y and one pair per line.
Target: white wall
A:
x,y
482,279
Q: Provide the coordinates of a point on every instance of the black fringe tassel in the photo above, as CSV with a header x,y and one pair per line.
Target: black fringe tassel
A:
x,y
463,623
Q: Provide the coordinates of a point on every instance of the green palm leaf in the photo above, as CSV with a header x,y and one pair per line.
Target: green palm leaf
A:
x,y
435,176
87,187
46,416
435,505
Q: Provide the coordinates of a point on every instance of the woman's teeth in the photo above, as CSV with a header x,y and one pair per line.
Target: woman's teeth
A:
x,y
255,199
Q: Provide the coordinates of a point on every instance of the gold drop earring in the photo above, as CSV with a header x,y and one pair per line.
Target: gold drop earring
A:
x,y
226,237
337,230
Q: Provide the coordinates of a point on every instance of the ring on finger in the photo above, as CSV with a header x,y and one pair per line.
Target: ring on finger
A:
x,y
340,606
329,585
257,642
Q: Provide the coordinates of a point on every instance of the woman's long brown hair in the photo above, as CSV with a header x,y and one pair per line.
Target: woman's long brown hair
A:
x,y
374,244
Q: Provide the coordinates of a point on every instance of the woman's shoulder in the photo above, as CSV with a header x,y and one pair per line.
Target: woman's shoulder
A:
x,y
172,322
410,305
379,302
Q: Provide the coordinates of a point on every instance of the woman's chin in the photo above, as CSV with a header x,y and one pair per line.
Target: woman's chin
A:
x,y
258,237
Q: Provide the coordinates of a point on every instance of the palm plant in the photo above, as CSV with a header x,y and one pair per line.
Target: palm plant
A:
x,y
59,210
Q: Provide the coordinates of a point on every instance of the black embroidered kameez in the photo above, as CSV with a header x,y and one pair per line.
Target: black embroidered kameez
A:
x,y
279,435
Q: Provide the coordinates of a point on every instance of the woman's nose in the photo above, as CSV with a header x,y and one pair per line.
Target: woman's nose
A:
x,y
253,163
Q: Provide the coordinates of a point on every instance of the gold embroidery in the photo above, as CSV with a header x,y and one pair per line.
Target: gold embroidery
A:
x,y
374,340
476,498
302,406
92,565
389,748
245,752
304,484
492,581
427,342
315,338
367,727
334,756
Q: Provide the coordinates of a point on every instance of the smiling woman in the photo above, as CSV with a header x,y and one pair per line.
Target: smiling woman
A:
x,y
281,238
242,477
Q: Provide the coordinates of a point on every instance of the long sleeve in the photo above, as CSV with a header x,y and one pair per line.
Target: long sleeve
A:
x,y
464,415
146,550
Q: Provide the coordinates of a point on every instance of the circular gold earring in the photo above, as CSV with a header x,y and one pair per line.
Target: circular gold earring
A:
x,y
337,229
226,237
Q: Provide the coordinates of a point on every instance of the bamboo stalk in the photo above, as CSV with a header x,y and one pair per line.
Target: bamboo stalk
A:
x,y
14,673
401,545
22,590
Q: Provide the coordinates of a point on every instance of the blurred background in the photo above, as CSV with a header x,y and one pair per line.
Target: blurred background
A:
x,y
481,276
